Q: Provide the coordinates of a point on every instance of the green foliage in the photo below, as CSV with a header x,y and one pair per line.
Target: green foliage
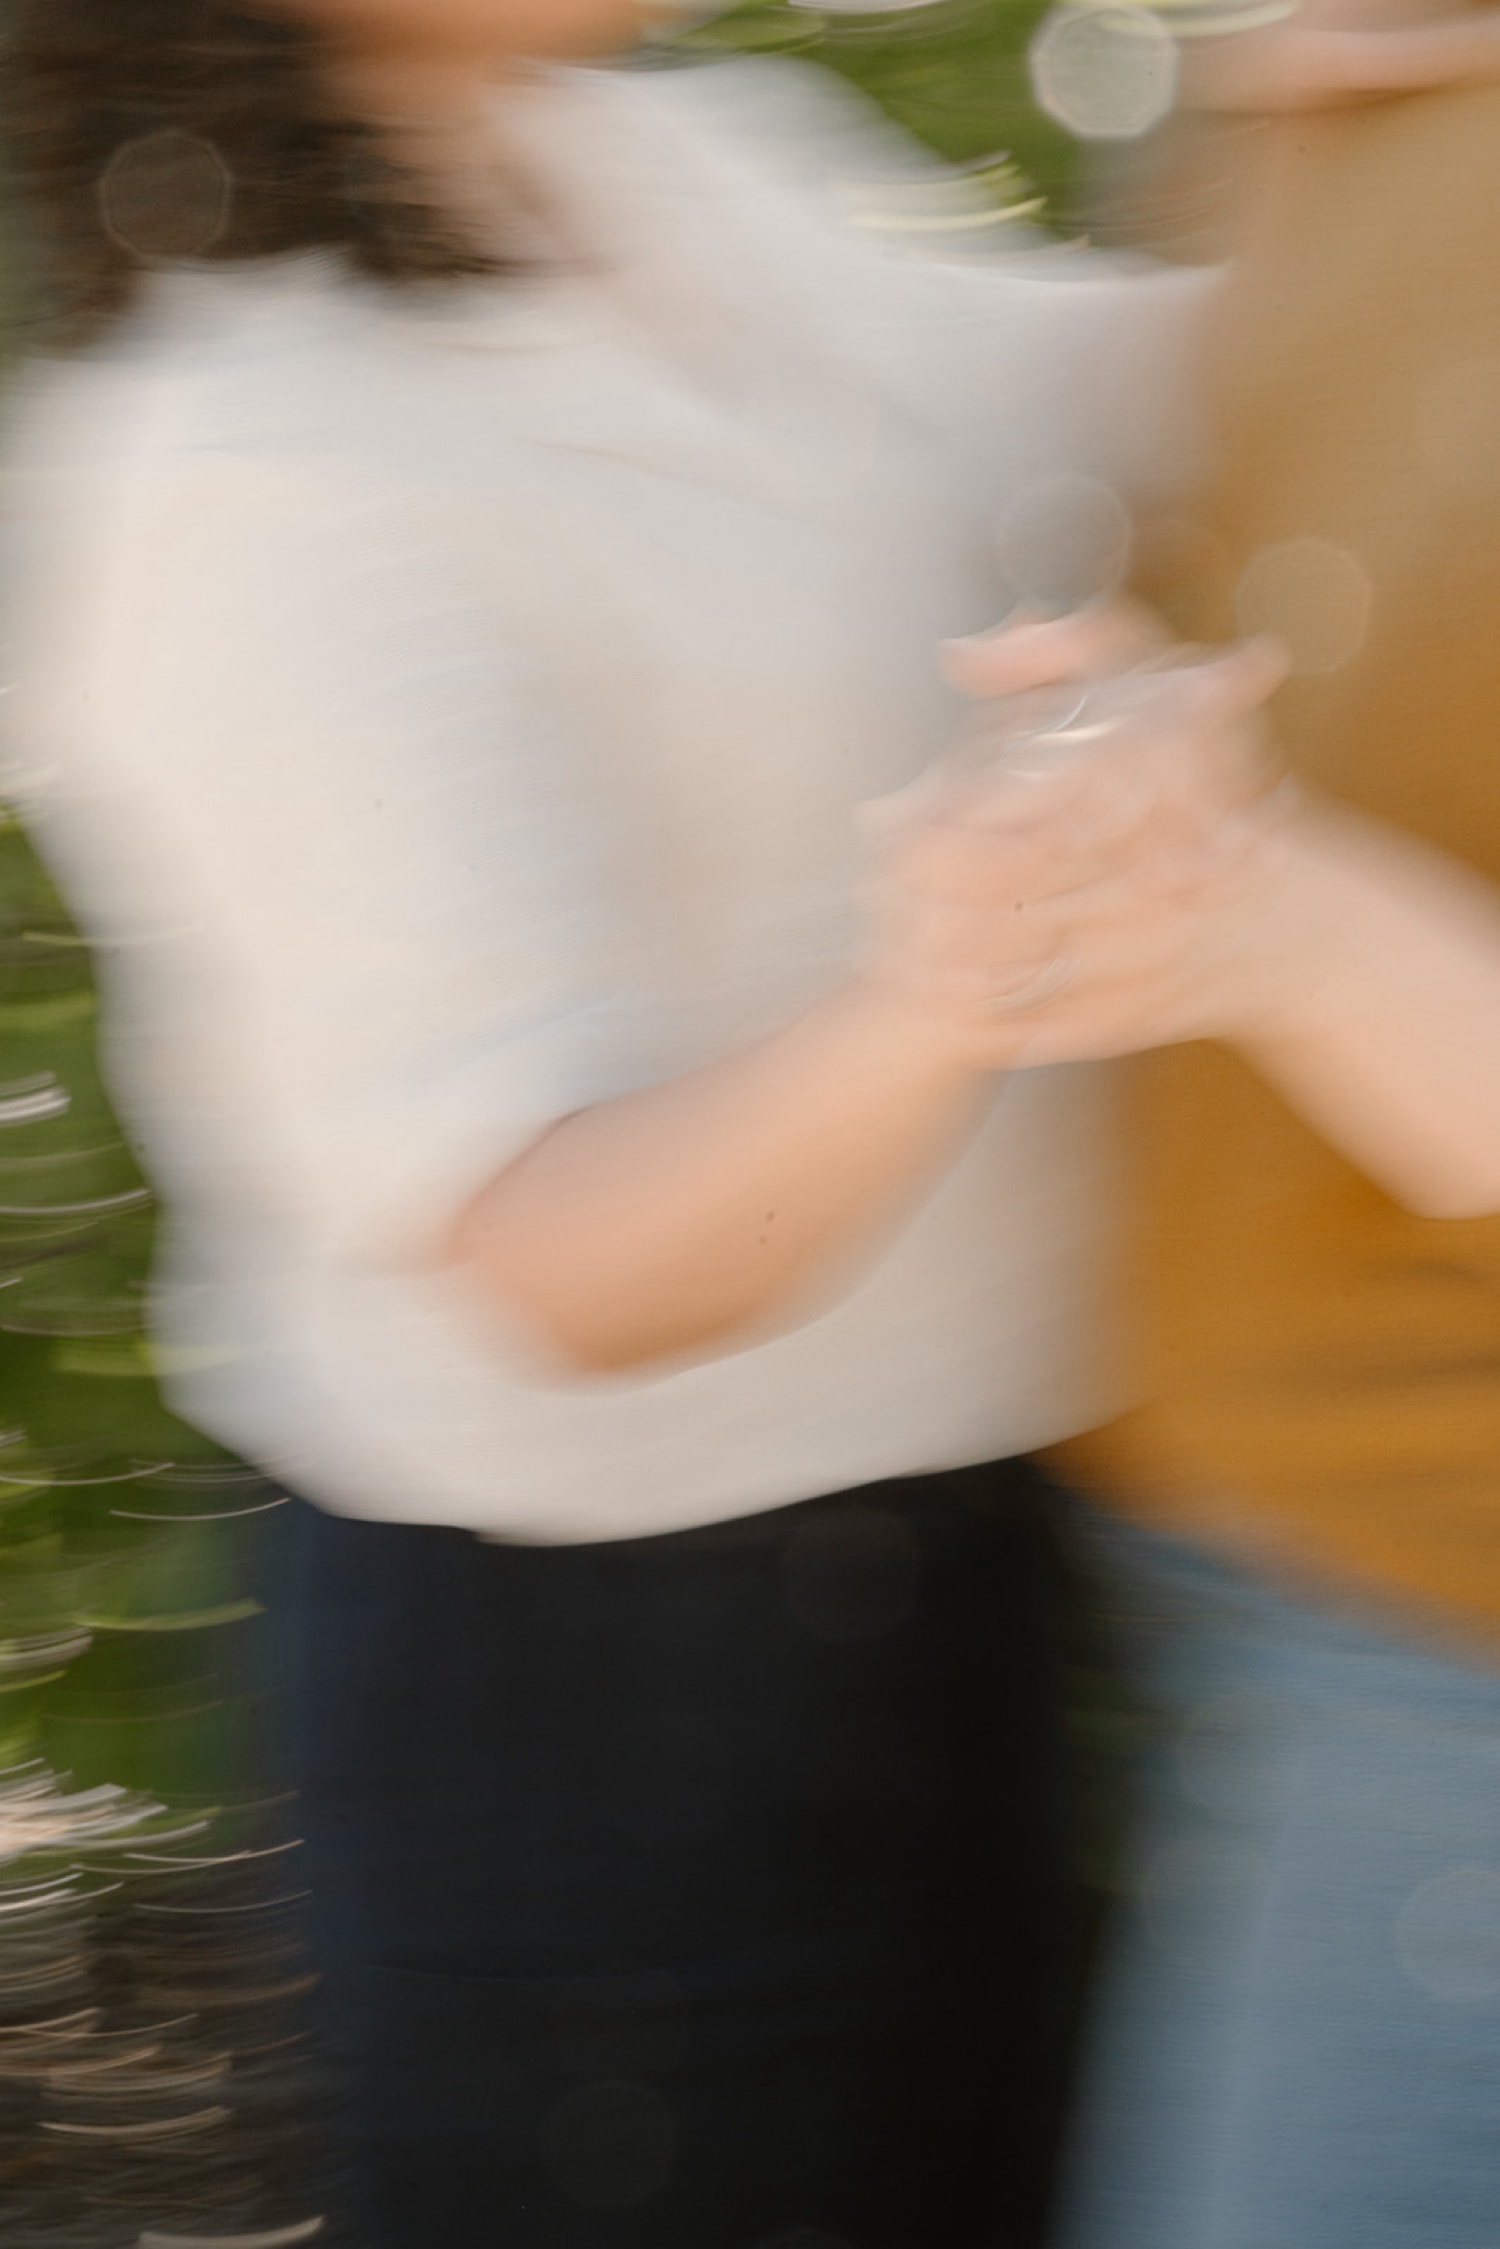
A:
x,y
115,1518
147,1926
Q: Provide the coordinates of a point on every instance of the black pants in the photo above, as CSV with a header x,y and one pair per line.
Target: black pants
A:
x,y
695,1892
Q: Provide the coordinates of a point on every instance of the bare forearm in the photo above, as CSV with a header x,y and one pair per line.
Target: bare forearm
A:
x,y
1390,1043
1338,52
670,1221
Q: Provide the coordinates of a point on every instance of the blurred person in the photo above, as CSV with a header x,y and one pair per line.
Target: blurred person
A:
x,y
1297,1529
477,538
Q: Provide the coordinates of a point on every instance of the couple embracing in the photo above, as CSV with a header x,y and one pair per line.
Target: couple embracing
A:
x,y
638,1112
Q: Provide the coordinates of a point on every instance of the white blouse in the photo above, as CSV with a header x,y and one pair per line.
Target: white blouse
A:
x,y
450,712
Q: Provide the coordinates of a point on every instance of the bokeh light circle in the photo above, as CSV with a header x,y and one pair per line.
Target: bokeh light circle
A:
x,y
1106,70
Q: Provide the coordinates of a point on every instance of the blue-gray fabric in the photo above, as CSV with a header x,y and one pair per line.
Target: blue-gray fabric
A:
x,y
1299,2042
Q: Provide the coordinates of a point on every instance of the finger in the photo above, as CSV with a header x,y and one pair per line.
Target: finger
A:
x,y
1205,751
1238,682
1187,742
1121,832
1086,800
1177,700
1172,733
983,869
1030,650
1010,878
1161,778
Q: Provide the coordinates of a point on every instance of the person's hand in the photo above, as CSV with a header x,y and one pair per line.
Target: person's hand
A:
x,y
1099,703
1033,650
1171,945
1054,898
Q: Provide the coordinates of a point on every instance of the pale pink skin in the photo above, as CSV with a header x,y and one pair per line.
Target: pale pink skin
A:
x,y
1332,53
476,35
424,72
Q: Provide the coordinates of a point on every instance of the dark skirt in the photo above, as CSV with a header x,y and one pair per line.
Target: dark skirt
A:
x,y
693,1892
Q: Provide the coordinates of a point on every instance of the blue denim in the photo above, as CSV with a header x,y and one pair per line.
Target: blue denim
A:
x,y
1298,2040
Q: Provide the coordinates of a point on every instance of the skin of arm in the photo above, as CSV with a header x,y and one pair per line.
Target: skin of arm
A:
x,y
1328,54
1325,68
691,1216
1385,1026
670,1221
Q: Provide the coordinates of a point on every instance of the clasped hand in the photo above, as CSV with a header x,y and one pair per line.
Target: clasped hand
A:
x,y
1094,871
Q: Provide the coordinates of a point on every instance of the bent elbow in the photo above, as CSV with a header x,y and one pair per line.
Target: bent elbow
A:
x,y
576,1345
585,1354
1454,1205
1450,1191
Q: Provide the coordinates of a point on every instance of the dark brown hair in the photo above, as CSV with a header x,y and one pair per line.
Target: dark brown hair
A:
x,y
143,131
